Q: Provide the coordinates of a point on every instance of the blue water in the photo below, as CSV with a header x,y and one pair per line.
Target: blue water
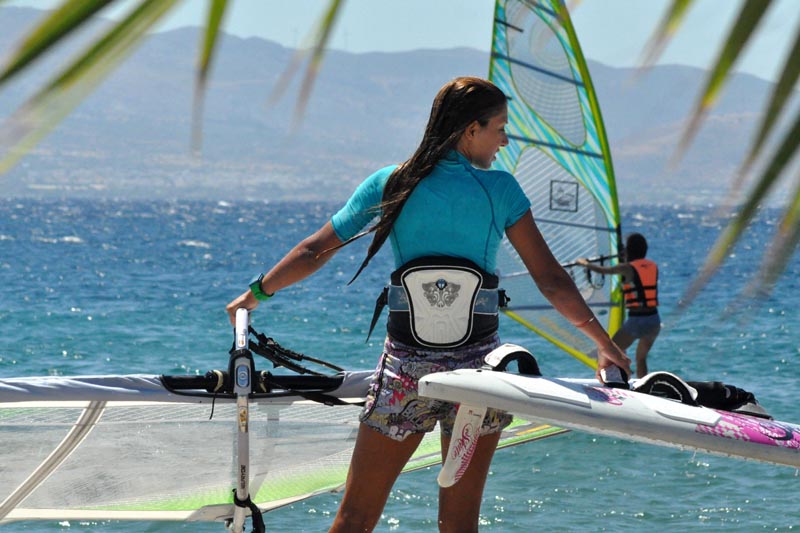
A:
x,y
97,287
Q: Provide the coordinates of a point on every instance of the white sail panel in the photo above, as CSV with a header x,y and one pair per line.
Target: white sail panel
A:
x,y
127,448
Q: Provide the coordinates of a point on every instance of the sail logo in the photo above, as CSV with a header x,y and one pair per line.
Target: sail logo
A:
x,y
564,196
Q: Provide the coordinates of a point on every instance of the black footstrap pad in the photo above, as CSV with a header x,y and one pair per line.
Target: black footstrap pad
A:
x,y
499,359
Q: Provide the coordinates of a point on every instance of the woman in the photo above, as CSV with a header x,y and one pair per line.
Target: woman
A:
x,y
640,288
445,214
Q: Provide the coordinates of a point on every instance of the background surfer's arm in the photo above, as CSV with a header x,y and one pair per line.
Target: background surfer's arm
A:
x,y
624,268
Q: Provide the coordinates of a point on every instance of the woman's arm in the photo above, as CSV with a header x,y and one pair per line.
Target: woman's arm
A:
x,y
302,261
559,289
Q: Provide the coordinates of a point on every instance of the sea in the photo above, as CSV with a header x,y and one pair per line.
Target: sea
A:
x,y
112,286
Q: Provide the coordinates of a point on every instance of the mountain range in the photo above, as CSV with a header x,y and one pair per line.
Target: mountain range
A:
x,y
131,136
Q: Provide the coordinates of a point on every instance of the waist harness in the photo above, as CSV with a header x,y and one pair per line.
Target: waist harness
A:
x,y
440,302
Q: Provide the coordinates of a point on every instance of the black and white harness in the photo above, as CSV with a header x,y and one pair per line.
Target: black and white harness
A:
x,y
441,302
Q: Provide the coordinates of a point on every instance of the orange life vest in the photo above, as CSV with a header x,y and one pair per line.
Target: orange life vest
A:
x,y
641,293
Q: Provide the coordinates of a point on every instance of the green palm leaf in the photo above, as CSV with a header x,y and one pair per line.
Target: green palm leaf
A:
x,y
780,95
320,38
750,15
62,93
781,249
666,30
61,22
739,223
216,12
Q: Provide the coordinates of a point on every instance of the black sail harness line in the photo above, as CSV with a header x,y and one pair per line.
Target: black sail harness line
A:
x,y
439,292
308,384
269,349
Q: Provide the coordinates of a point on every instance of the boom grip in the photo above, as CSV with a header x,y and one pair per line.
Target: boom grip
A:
x,y
242,329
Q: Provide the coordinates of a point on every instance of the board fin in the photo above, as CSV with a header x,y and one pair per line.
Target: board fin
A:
x,y
463,442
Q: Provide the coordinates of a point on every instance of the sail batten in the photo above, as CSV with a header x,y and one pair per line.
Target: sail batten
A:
x,y
537,69
541,221
559,154
555,146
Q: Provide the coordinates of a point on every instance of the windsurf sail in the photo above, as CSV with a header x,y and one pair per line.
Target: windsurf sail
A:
x,y
148,447
559,153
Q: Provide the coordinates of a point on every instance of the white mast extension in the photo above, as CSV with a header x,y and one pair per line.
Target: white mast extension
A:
x,y
241,373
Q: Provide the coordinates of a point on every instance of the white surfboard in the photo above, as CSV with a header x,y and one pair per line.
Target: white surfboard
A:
x,y
587,405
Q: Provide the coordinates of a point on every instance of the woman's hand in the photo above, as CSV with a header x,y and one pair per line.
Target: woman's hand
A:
x,y
246,300
609,355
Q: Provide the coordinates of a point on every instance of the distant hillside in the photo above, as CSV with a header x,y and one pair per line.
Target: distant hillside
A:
x,y
131,137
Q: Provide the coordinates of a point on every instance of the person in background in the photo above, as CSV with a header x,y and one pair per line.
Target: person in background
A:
x,y
640,290
444,213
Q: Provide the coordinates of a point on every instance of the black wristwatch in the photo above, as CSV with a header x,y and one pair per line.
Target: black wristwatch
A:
x,y
255,288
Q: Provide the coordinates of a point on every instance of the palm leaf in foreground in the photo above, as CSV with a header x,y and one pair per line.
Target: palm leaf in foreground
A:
x,y
780,96
781,249
61,22
666,30
786,239
739,223
51,104
40,114
216,12
750,15
321,36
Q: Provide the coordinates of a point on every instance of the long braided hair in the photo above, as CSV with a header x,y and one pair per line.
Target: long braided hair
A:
x,y
458,104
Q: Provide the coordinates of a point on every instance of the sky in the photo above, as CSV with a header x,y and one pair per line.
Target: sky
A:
x,y
613,32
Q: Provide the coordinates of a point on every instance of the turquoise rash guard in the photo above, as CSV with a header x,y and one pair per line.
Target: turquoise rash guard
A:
x,y
457,211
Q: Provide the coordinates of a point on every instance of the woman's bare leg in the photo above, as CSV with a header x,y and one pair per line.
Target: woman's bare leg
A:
x,y
460,504
376,463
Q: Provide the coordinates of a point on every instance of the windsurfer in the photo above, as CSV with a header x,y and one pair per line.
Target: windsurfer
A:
x,y
640,288
442,204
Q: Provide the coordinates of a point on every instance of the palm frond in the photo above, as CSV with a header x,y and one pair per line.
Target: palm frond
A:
x,y
667,28
730,236
320,39
780,95
749,16
216,12
39,115
323,36
69,16
781,249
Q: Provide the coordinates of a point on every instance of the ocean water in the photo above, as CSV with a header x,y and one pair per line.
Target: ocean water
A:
x,y
97,287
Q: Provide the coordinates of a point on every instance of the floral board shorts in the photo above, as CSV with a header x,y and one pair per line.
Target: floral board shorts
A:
x,y
393,407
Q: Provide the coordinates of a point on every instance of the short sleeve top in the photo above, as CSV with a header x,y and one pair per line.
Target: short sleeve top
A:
x,y
457,211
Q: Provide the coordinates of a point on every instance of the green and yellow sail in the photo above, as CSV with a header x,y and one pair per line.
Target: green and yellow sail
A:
x,y
559,153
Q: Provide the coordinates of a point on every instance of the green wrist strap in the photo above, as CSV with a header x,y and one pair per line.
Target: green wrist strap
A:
x,y
255,288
